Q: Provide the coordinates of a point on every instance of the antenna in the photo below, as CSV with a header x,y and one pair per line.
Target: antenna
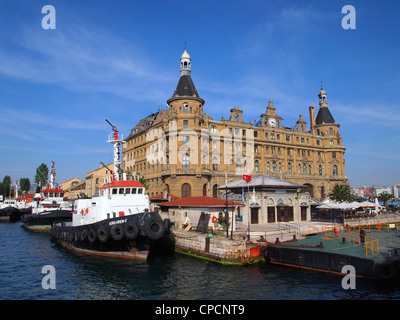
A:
x,y
185,45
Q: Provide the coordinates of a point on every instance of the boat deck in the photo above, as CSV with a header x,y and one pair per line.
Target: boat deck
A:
x,y
376,243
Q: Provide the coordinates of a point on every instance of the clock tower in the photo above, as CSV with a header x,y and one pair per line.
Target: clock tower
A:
x,y
270,119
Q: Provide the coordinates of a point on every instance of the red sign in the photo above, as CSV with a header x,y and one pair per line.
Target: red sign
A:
x,y
246,177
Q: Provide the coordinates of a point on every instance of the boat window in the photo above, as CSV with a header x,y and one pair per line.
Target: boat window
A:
x,y
127,190
133,190
121,190
114,191
140,190
45,194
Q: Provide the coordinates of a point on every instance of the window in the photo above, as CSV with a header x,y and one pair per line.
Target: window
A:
x,y
185,161
185,123
134,190
287,138
186,190
273,166
114,191
128,191
185,108
185,139
333,155
320,170
335,170
256,166
290,168
213,128
140,190
215,163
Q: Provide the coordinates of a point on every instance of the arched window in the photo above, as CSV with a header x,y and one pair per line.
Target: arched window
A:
x,y
335,170
304,168
186,190
215,190
273,166
320,170
185,161
205,190
256,166
185,108
290,168
215,163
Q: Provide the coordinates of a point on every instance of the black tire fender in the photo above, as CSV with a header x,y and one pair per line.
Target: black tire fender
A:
x,y
102,234
131,230
92,235
154,228
117,232
385,270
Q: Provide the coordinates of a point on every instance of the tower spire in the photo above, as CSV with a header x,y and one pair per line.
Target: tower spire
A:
x,y
185,63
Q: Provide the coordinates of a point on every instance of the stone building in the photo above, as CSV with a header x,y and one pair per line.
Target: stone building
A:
x,y
270,200
183,151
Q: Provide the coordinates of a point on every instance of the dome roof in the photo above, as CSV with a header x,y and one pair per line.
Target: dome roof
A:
x,y
185,55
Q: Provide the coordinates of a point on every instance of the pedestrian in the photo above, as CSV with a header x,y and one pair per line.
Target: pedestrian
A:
x,y
362,235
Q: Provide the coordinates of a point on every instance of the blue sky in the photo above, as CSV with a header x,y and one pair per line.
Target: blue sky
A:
x,y
119,60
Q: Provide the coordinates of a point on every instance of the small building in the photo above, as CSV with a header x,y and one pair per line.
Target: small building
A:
x,y
270,200
196,211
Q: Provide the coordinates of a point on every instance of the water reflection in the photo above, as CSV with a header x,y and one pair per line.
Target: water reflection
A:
x,y
167,277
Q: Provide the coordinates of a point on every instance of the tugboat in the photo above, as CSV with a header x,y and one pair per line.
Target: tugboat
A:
x,y
118,221
48,206
13,209
9,211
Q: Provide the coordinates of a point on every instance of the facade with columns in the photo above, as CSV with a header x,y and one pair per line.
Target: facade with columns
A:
x,y
185,152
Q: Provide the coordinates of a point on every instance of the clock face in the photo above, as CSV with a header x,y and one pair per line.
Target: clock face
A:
x,y
272,122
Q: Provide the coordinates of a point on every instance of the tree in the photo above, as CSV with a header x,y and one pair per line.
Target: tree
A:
x,y
340,192
25,184
6,186
385,197
42,173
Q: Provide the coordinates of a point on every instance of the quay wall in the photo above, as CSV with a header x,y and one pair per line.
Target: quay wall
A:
x,y
384,219
217,249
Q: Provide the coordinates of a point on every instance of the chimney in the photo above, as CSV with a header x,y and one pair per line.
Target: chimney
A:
x,y
312,118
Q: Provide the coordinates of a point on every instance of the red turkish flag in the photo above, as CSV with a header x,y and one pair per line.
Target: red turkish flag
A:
x,y
246,177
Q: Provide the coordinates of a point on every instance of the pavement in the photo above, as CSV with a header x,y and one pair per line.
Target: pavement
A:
x,y
283,230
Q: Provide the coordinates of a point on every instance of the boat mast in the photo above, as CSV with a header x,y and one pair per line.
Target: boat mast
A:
x,y
116,141
52,177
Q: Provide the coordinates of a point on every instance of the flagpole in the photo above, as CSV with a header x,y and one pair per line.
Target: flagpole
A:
x,y
249,215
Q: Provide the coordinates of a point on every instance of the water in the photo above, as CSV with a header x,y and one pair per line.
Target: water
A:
x,y
23,253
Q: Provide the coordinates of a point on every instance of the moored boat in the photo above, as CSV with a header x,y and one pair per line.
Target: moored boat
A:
x,y
374,256
48,206
10,210
115,223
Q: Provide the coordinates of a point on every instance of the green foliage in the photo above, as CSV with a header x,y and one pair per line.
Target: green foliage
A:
x,y
5,186
42,173
385,197
25,184
340,192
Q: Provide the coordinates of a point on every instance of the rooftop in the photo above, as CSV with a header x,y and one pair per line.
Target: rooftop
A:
x,y
200,202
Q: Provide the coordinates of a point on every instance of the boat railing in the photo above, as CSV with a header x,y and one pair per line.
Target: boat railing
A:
x,y
287,228
352,236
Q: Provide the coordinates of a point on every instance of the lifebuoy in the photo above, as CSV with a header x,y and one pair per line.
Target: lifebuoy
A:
x,y
102,234
117,232
214,219
131,230
379,225
335,230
